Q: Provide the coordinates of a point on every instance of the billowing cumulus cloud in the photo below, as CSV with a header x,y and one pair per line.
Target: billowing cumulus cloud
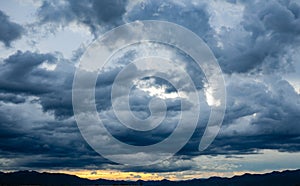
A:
x,y
262,114
177,12
32,74
94,14
256,48
262,40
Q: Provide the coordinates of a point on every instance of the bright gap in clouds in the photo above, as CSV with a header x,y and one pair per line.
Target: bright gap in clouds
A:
x,y
48,66
153,89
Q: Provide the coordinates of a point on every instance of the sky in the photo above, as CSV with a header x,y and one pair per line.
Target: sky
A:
x,y
255,43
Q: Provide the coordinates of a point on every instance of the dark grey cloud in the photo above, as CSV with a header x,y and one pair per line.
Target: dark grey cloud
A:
x,y
259,43
262,113
43,143
92,13
30,95
267,115
9,31
268,30
22,74
192,16
262,108
11,98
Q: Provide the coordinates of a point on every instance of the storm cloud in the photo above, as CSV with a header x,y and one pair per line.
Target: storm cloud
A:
x,y
262,40
9,31
256,50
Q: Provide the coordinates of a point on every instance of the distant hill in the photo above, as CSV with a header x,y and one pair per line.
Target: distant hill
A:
x,y
285,178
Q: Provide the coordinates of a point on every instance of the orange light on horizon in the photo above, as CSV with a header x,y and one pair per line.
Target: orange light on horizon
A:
x,y
134,176
110,174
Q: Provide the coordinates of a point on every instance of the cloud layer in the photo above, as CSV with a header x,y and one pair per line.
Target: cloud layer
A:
x,y
255,51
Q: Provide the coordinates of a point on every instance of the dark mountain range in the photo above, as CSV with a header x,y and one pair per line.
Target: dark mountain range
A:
x,y
285,178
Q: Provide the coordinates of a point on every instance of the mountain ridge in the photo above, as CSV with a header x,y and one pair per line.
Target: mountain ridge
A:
x,y
275,178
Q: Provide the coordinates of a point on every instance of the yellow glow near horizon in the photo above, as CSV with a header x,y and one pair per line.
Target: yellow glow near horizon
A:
x,y
111,174
133,176
222,167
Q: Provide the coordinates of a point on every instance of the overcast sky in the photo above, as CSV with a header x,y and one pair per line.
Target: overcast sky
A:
x,y
256,44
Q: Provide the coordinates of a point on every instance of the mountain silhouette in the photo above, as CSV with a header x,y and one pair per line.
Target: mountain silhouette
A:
x,y
285,178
